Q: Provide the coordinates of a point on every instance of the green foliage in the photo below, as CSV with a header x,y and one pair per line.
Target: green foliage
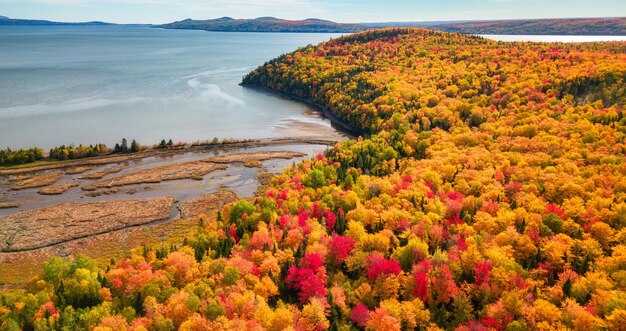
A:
x,y
20,156
240,208
214,311
72,152
553,222
231,275
75,281
316,179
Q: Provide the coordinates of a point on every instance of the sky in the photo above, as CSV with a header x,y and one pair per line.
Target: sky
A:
x,y
345,11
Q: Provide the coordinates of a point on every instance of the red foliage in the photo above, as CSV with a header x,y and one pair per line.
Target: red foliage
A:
x,y
482,273
454,195
312,286
431,192
454,206
461,243
546,267
340,248
256,271
310,279
47,309
499,324
589,224
303,216
425,266
316,213
456,219
518,281
331,219
402,186
554,209
312,261
592,309
512,188
283,220
534,235
443,284
360,315
233,233
472,325
379,266
489,322
421,286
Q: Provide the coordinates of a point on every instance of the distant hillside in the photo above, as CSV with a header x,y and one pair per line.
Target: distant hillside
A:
x,y
420,24
574,26
12,21
264,24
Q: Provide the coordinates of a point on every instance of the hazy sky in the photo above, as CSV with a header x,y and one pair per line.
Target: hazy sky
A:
x,y
162,11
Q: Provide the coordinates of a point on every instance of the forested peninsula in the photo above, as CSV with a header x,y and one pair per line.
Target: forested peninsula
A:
x,y
609,26
489,193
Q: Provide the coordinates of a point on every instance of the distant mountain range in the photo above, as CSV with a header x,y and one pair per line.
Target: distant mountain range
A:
x,y
15,21
567,26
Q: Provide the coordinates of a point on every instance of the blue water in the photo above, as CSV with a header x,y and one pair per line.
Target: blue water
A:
x,y
61,85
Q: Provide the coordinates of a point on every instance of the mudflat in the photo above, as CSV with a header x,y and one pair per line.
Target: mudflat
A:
x,y
171,190
39,228
183,170
100,174
208,202
249,158
78,170
37,181
57,189
7,205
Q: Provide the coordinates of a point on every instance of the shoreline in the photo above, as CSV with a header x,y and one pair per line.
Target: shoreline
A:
x,y
340,124
197,196
117,158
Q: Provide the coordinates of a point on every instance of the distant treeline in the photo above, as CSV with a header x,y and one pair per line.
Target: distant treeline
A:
x,y
64,152
72,152
10,157
20,156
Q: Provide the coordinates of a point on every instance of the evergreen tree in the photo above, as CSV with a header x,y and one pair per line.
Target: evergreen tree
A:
x,y
134,146
124,146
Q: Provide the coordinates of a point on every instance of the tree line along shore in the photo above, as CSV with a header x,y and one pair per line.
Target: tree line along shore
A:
x,y
10,158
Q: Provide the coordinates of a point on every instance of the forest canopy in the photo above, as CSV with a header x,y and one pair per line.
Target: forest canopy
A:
x,y
488,194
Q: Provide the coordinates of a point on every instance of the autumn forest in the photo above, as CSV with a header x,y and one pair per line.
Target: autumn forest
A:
x,y
487,192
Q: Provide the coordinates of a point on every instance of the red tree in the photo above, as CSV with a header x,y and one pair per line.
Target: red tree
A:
x,y
340,248
360,315
421,286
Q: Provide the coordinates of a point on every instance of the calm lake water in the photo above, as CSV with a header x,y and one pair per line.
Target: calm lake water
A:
x,y
61,85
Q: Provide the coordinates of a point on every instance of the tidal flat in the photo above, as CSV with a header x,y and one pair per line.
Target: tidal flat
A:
x,y
85,206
